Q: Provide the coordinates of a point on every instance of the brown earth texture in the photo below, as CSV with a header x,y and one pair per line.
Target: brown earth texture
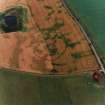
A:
x,y
52,44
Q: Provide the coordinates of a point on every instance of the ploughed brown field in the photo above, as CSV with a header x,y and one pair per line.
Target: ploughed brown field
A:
x,y
53,43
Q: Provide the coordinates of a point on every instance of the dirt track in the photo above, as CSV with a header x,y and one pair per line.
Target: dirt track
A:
x,y
28,51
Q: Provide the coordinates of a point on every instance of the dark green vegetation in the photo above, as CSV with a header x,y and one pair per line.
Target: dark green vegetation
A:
x,y
53,34
79,55
91,14
50,11
13,19
26,89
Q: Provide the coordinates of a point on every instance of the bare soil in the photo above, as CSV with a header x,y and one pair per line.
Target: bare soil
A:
x,y
28,51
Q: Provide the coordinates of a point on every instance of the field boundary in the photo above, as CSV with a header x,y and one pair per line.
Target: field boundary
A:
x,y
75,18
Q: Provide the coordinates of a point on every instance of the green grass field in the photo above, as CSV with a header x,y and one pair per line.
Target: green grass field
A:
x,y
26,89
91,14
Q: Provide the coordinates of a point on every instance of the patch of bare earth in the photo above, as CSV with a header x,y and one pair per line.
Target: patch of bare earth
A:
x,y
53,43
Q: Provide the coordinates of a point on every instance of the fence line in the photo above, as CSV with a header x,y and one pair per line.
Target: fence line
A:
x,y
75,18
